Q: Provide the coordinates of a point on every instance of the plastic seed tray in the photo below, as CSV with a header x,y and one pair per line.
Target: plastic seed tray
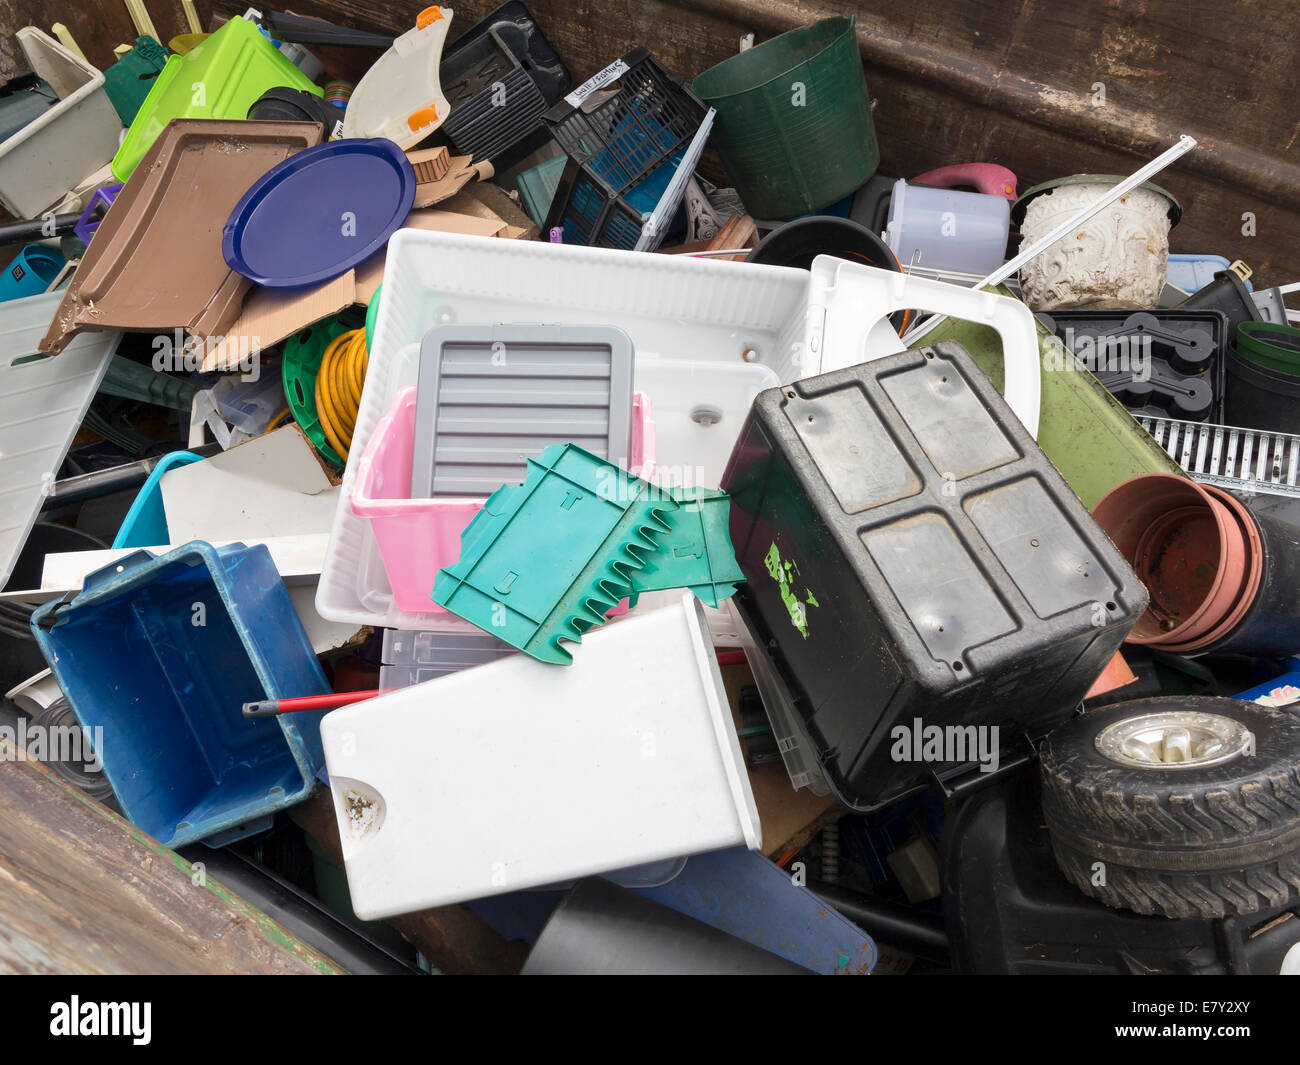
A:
x,y
1165,364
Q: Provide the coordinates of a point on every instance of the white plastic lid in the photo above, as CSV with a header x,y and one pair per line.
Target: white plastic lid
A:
x,y
400,97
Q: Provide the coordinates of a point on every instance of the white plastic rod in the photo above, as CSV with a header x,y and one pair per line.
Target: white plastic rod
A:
x,y
66,39
144,26
1185,144
192,16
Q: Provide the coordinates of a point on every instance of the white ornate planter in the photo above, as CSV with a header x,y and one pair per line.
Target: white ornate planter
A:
x,y
1116,259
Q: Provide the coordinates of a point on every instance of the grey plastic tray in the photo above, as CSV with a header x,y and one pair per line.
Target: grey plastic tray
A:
x,y
491,397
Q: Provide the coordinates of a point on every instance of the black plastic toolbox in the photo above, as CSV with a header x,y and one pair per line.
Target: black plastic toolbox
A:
x,y
913,559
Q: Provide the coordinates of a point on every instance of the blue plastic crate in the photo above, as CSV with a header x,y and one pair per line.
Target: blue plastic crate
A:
x,y
161,653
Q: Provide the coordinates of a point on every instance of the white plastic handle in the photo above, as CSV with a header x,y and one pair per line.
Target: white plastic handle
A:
x,y
885,291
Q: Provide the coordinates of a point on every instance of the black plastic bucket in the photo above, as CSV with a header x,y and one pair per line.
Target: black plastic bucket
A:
x,y
1271,627
1260,398
283,104
799,242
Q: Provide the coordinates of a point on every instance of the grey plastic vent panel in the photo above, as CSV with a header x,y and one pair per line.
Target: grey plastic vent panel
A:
x,y
1245,460
491,397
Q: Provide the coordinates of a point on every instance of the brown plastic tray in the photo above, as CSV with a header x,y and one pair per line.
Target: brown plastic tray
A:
x,y
155,262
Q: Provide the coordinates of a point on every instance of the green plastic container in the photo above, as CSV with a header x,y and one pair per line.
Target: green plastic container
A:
x,y
129,81
221,78
1270,345
794,119
372,316
538,185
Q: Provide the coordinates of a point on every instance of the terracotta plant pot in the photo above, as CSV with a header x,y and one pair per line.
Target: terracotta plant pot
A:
x,y
1197,550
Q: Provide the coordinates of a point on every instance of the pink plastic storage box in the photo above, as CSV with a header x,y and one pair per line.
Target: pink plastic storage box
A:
x,y
417,537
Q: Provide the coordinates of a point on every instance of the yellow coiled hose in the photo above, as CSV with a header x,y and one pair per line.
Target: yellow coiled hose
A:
x,y
338,388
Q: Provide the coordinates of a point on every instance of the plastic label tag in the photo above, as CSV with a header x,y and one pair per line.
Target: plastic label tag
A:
x,y
612,72
337,131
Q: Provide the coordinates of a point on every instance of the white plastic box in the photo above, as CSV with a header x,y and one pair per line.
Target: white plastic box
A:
x,y
53,155
708,337
518,774
948,229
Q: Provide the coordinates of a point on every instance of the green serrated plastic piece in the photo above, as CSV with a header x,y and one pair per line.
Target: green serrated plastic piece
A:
x,y
544,561
697,553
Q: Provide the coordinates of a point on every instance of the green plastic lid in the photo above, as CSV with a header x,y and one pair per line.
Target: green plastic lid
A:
x,y
1018,210
222,78
1271,345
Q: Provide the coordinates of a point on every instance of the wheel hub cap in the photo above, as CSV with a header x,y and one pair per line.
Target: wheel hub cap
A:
x,y
1175,739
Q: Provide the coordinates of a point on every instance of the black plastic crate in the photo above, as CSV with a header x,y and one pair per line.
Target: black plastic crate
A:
x,y
1185,352
590,214
500,77
615,143
910,553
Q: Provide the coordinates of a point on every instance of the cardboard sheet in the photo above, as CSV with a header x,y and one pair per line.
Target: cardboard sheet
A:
x,y
271,486
271,315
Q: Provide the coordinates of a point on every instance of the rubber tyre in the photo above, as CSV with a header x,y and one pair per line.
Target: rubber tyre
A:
x,y
91,781
1195,842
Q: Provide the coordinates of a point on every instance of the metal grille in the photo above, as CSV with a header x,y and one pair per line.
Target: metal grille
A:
x,y
1246,460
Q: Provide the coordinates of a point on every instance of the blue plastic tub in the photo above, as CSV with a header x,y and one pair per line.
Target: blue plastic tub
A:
x,y
161,652
1191,273
145,524
31,272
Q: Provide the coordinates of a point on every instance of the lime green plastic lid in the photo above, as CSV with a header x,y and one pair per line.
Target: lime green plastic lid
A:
x,y
220,78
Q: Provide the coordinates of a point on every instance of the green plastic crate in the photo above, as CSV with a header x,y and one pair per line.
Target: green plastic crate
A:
x,y
129,81
222,78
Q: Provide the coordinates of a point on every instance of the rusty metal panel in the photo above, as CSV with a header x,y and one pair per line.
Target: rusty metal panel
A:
x,y
1015,84
81,891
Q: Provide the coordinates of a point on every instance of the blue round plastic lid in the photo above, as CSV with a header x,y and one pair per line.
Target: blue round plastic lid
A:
x,y
319,213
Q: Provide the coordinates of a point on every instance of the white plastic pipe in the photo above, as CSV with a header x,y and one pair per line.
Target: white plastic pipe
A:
x,y
140,16
1185,144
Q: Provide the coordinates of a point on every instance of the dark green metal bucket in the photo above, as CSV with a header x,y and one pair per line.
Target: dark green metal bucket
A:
x,y
794,119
